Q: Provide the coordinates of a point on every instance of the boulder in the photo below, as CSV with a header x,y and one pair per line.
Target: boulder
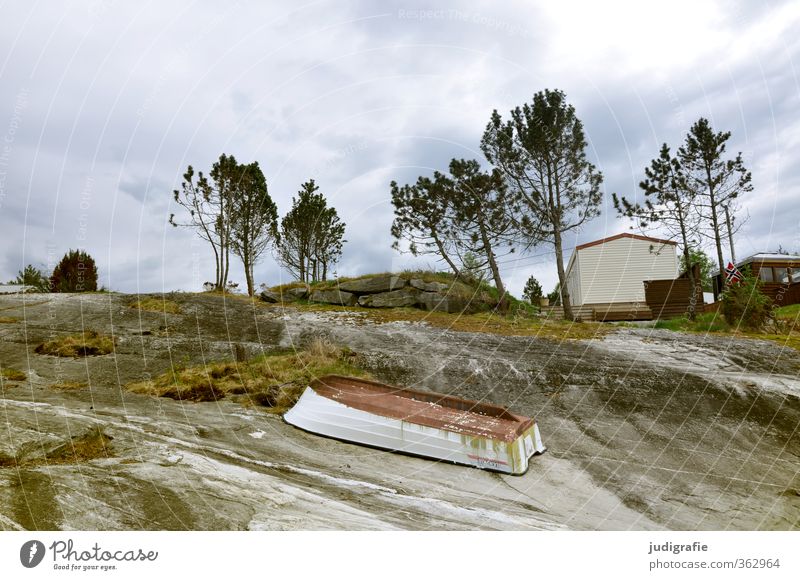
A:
x,y
270,296
393,299
429,286
299,293
435,302
333,297
373,285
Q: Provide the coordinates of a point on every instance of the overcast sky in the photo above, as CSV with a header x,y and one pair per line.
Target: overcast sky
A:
x,y
104,104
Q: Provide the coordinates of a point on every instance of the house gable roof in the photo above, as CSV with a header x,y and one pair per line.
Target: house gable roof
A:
x,y
625,235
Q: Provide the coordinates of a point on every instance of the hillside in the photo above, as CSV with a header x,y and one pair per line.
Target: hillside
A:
x,y
646,428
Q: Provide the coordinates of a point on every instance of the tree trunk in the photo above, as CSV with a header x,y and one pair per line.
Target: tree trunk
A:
x,y
216,263
562,278
498,282
227,261
248,275
687,259
730,234
444,255
715,223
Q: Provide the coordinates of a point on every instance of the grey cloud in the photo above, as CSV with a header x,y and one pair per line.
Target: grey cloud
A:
x,y
354,94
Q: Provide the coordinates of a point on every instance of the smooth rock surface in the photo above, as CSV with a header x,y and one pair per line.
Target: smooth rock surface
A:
x,y
646,429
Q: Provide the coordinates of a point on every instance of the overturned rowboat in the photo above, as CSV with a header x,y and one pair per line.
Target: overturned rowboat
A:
x,y
417,423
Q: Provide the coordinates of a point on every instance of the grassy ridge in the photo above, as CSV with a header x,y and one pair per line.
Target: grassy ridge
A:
x,y
274,381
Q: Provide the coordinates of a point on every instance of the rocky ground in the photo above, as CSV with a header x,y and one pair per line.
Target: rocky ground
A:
x,y
646,429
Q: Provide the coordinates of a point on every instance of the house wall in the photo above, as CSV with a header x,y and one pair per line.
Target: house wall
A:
x,y
573,280
781,294
615,271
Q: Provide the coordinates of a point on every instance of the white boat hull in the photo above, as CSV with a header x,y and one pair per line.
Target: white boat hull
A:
x,y
323,416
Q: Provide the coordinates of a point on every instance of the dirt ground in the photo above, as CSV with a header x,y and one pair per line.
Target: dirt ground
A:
x,y
645,429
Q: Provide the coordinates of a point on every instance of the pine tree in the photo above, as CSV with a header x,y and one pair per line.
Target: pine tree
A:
x,y
311,236
541,151
76,272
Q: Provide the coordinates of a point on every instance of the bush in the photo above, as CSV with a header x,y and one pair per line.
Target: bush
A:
x,y
555,296
76,272
532,291
32,276
744,304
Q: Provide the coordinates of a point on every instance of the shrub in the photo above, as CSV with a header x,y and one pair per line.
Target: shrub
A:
x,y
555,296
32,276
744,304
76,272
532,291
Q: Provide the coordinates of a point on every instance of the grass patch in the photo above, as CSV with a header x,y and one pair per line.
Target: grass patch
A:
x,y
791,313
154,304
10,374
8,319
786,332
519,324
274,381
94,444
69,386
90,343
708,322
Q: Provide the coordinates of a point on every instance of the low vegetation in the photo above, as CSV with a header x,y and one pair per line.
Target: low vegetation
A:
x,y
744,305
274,380
782,326
94,444
11,374
155,304
8,320
89,343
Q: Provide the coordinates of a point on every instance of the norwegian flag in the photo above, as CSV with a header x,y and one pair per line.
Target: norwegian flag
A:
x,y
732,274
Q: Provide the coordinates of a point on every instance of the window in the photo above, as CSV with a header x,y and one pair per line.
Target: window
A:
x,y
765,273
782,275
796,275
